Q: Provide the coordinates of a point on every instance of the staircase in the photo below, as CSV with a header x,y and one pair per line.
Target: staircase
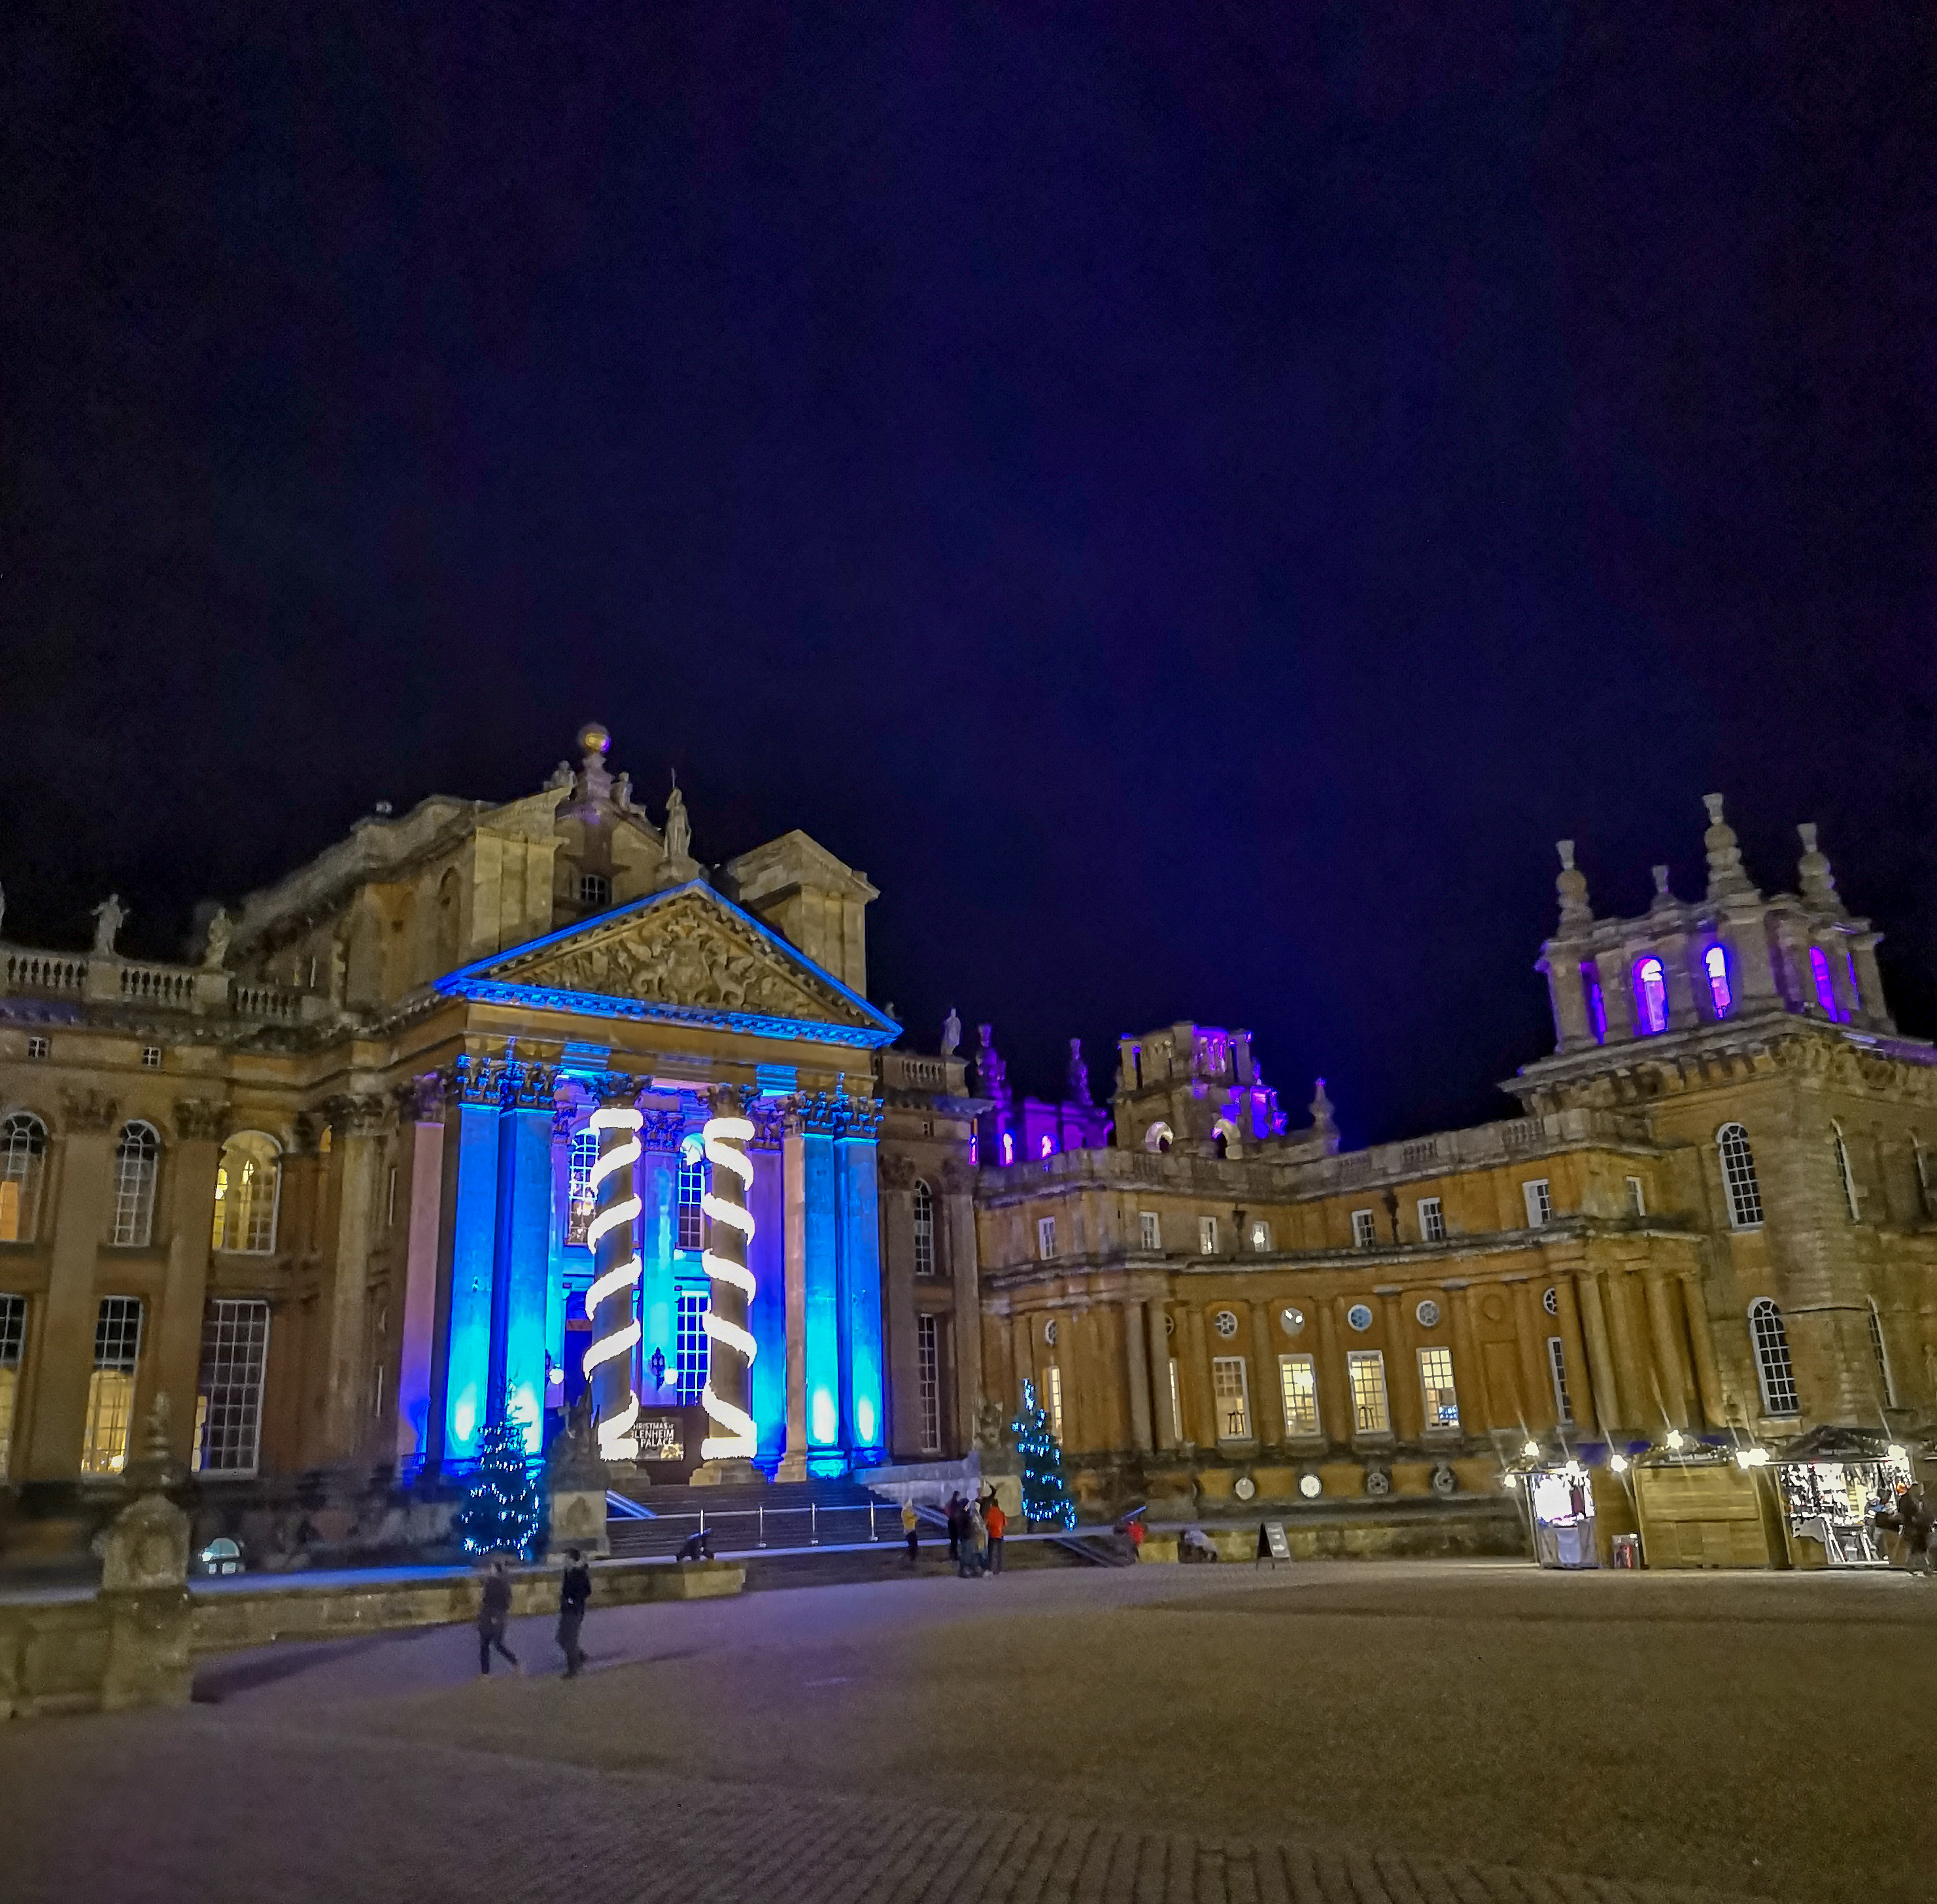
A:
x,y
656,1522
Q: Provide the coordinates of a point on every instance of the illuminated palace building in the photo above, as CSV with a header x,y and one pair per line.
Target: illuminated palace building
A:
x,y
487,1103
1715,1217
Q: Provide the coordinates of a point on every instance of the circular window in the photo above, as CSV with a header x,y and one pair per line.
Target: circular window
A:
x,y
1428,1312
1550,1301
1245,1488
1225,1323
1359,1316
1310,1485
1049,1332
1377,1481
1293,1317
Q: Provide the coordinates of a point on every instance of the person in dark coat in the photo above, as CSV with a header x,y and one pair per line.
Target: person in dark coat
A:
x,y
494,1608
1910,1519
574,1589
957,1518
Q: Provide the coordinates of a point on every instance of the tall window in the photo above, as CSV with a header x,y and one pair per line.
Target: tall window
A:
x,y
1770,1340
1207,1235
1738,1177
924,1229
1597,1005
1045,1237
928,1382
1556,1360
1009,1146
1877,1349
1151,1230
1298,1387
136,1156
1539,1201
246,1182
595,891
1650,988
1637,1197
692,1184
12,1346
1052,1377
581,1204
1845,1175
111,1388
689,1343
1819,973
1365,1229
23,1151
1231,1392
1435,1383
1715,964
229,1404
1432,1220
1261,1236
1366,1368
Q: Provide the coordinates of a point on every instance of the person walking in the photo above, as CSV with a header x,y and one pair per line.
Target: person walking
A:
x,y
955,1524
494,1608
996,1524
910,1530
574,1589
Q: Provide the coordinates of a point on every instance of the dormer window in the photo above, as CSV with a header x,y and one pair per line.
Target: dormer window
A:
x,y
595,892
1650,988
1715,963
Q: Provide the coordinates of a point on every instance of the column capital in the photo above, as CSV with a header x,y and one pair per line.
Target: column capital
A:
x,y
526,1086
88,1110
420,1100
661,1130
199,1119
359,1114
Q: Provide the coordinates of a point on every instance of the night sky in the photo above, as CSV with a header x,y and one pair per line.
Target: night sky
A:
x,y
1193,500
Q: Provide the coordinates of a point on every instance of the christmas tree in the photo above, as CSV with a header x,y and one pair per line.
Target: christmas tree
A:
x,y
502,1512
1045,1491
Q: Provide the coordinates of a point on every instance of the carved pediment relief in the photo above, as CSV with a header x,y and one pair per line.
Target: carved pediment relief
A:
x,y
688,949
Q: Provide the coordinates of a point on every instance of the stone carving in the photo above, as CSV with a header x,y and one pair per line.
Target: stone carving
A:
x,y
215,947
89,1110
678,828
958,1177
1079,1074
897,1173
993,1433
661,1130
951,1034
197,1119
110,916
992,1074
361,1114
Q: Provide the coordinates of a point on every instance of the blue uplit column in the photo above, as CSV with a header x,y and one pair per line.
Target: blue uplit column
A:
x,y
522,1254
470,1236
860,1282
821,1308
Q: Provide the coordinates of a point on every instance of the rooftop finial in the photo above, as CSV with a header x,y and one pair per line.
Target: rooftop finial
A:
x,y
1572,887
594,783
1725,855
1662,896
1323,1121
1812,875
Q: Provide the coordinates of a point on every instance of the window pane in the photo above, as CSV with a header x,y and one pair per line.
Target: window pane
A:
x,y
1435,1380
924,1230
928,1361
234,1357
1367,1369
1298,1380
111,1388
690,1344
13,1348
581,1204
1229,1391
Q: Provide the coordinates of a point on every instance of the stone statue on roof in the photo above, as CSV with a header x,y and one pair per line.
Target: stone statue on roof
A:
x,y
215,951
678,828
951,1034
109,917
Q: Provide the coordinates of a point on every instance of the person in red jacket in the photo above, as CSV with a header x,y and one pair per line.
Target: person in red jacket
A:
x,y
997,1523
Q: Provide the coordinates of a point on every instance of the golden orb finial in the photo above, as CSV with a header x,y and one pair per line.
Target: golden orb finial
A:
x,y
592,738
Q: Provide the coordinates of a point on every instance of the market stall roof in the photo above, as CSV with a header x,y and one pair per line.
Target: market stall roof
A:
x,y
1831,1442
1691,1453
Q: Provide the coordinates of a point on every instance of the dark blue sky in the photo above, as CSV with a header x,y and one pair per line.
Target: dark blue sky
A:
x,y
1193,501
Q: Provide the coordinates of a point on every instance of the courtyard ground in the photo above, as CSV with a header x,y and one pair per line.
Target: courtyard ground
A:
x,y
1416,1731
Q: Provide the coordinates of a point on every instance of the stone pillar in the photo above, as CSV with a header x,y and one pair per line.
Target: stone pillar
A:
x,y
1574,1353
1405,1397
1638,1390
767,1200
467,1230
1469,1377
615,1323
958,1212
1022,1342
1836,948
1702,1340
521,1259
1608,1413
358,1123
731,1440
1167,1430
793,1172
1267,1399
1663,1330
83,1197
862,1358
1682,1010
1616,994
1569,1001
822,1320
1875,1009
144,1581
1751,962
1536,1376
1137,1373
1200,1406
174,1367
1334,1385
421,1133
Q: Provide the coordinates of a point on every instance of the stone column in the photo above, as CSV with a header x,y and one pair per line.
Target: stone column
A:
x,y
656,1175
862,1359
732,1438
821,1240
1702,1341
1167,1430
1638,1390
1836,948
1751,964
1574,1353
1532,1337
1469,1381
1616,994
1022,1344
1568,998
615,1320
83,1199
1268,1402
958,1212
1682,1010
1662,1329
1334,1383
358,1122
1136,1370
467,1230
421,1130
521,1259
1875,1009
1405,1397
1608,1413
174,1368
767,1201
794,1171
1197,1381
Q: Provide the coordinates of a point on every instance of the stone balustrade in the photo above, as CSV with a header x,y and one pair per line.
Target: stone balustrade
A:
x,y
108,979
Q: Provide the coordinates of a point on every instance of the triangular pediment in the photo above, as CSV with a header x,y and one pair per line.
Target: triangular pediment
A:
x,y
687,952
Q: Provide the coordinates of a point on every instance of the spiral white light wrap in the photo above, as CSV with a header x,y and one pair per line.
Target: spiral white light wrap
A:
x,y
737,1439
615,1433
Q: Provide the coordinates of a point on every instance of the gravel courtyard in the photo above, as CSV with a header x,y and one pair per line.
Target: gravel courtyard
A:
x,y
1403,1731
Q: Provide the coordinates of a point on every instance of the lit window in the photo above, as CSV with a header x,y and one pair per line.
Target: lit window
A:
x,y
1207,1235
1738,1177
36,1047
581,1204
23,1151
246,1183
1650,988
1365,1229
1298,1385
1855,993
151,1057
1557,1361
1539,1203
690,1344
1009,1146
924,1229
594,890
1715,963
13,1348
1231,1392
1435,1382
1819,971
111,1388
1048,1145
1597,1005
1045,1237
692,1187
228,1402
1157,1138
136,1156
1052,1378
928,1382
1366,1368
1637,1197
1882,1355
1152,1237
1845,1175
1771,1341
1432,1220
1261,1236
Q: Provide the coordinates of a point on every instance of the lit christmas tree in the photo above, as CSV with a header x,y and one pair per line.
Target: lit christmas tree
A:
x,y
502,1512
1045,1491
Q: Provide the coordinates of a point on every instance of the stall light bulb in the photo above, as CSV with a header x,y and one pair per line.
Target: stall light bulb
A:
x,y
1745,1459
1758,1457
1531,1450
1675,1438
1897,1453
1618,1464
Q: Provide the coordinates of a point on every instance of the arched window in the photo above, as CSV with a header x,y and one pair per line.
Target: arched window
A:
x,y
1009,1146
1715,963
447,921
1770,1341
581,1205
1651,990
1738,1177
246,1183
1845,1175
1819,971
1882,1354
1157,1138
137,1158
23,1151
692,1182
1048,1145
1597,1005
924,1229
